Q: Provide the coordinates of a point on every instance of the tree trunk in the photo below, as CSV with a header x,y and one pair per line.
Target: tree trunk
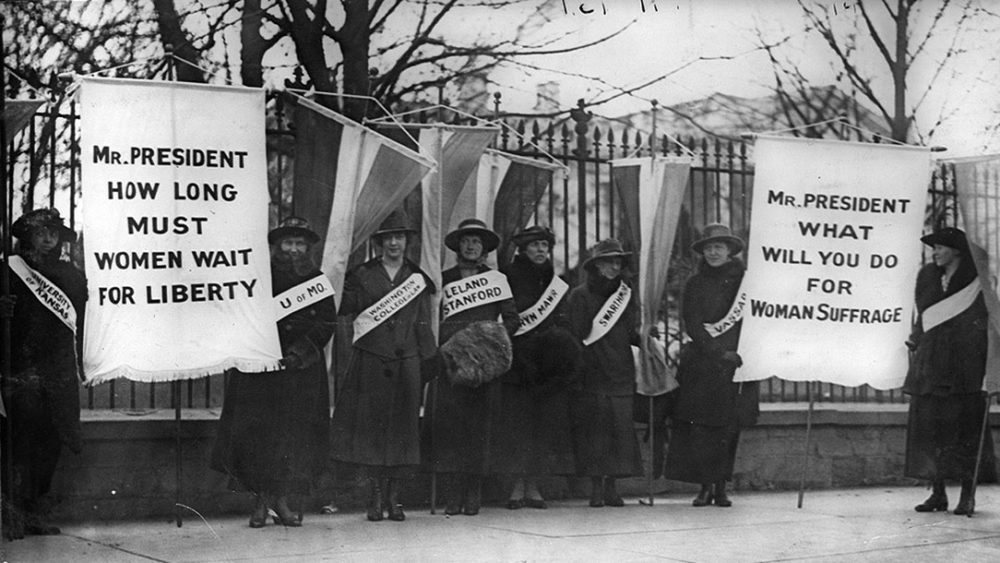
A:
x,y
900,119
253,46
354,48
308,36
171,33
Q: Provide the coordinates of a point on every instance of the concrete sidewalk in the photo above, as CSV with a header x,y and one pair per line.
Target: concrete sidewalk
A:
x,y
872,524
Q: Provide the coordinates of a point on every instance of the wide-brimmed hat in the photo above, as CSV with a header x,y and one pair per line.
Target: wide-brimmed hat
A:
x,y
397,222
607,248
293,226
533,233
948,236
718,232
476,227
32,220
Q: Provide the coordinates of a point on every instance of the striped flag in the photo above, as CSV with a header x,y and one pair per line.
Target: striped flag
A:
x,y
17,115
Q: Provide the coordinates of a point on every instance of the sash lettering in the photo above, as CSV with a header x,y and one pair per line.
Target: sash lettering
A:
x,y
303,295
45,291
389,305
533,316
468,293
727,322
950,306
608,315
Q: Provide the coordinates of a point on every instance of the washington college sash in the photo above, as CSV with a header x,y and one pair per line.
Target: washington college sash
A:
x,y
727,322
950,306
609,313
389,305
303,295
468,293
533,316
48,294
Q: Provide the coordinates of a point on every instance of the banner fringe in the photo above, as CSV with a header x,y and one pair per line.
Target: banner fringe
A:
x,y
145,376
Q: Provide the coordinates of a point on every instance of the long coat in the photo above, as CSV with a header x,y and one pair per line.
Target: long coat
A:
x,y
376,418
274,429
459,418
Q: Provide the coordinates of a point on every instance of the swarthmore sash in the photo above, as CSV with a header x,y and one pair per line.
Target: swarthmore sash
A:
x,y
471,292
51,296
727,322
609,314
534,315
303,295
386,307
950,306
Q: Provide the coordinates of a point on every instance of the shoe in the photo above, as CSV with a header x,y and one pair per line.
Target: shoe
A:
x,y
704,497
375,505
720,497
473,496
288,520
453,509
615,501
41,529
933,503
965,506
258,518
611,496
597,503
515,504
535,503
396,513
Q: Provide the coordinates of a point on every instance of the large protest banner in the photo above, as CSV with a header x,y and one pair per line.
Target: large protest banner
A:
x,y
175,219
832,260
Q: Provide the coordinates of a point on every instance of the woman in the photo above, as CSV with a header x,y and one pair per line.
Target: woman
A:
x,y
274,429
711,409
460,414
41,394
945,379
603,315
533,435
375,422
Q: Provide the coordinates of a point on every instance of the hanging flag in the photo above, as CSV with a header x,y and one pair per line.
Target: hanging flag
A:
x,y
175,208
833,257
651,191
977,180
17,115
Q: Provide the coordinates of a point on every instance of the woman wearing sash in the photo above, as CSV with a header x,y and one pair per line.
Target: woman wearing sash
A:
x,y
41,394
603,314
945,379
711,409
534,434
376,418
460,414
274,429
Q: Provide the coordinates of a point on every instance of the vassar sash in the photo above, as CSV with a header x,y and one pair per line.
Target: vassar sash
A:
x,y
48,294
313,290
727,322
609,313
533,316
389,305
473,291
950,306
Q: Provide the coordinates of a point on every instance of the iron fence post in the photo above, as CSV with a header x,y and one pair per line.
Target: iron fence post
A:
x,y
582,118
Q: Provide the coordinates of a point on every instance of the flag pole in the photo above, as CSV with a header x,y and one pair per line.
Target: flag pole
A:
x,y
5,456
646,362
805,467
979,451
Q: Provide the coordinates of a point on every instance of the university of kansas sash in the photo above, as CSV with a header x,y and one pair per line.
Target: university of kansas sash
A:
x,y
389,305
533,316
950,306
609,313
727,322
54,299
303,295
473,291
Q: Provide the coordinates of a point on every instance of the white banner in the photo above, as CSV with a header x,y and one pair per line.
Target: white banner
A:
x,y
832,261
175,218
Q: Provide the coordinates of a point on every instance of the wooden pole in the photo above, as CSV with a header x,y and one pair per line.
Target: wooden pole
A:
x,y
979,450
5,456
652,450
805,466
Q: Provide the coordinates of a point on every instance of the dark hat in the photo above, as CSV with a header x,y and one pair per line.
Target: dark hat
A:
x,y
948,236
607,248
397,222
293,226
476,227
717,232
531,234
32,220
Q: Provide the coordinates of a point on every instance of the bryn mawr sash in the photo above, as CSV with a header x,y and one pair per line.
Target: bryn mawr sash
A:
x,y
389,305
534,315
727,322
609,313
48,294
303,295
950,306
473,291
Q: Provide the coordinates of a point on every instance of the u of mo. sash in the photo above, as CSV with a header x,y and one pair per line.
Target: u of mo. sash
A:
x,y
303,295
609,313
950,306
533,316
727,322
468,293
389,305
48,294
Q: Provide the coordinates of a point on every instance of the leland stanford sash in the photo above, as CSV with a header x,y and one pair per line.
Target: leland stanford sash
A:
x,y
534,315
468,293
303,295
727,322
608,315
950,306
389,305
47,293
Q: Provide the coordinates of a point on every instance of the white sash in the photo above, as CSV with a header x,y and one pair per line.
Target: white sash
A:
x,y
303,295
608,315
389,305
950,306
727,322
473,291
534,315
48,294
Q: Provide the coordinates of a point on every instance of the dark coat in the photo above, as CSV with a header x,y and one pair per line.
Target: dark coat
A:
x,y
376,419
274,428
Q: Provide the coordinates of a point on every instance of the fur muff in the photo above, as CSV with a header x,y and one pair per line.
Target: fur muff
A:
x,y
477,354
554,356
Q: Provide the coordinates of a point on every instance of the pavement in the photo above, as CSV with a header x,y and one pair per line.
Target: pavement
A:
x,y
865,524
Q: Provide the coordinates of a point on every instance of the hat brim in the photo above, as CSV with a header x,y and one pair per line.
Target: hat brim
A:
x,y
22,232
523,239
945,240
490,239
274,236
590,261
406,230
735,243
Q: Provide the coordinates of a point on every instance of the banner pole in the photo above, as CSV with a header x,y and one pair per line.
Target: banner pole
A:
x,y
5,325
652,450
979,450
805,467
434,386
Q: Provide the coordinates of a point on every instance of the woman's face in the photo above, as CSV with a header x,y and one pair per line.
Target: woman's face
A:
x,y
610,267
44,239
470,248
945,255
393,245
294,246
537,251
716,253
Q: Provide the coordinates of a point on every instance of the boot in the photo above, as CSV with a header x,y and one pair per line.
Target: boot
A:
x,y
597,492
258,518
395,508
473,495
374,499
937,501
966,502
721,498
453,485
704,497
611,496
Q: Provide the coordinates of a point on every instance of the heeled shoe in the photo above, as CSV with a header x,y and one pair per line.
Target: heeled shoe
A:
x,y
288,520
704,497
258,518
721,498
614,500
966,506
515,504
934,503
396,513
535,503
375,505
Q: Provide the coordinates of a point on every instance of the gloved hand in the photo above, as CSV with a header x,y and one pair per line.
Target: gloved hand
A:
x,y
291,361
732,358
911,345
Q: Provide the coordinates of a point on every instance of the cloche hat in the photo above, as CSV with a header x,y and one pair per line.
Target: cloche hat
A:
x,y
32,220
397,222
533,233
718,232
948,236
476,227
607,248
293,226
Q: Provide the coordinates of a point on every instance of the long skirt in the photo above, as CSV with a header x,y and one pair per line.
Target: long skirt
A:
x,y
700,453
942,437
458,422
604,436
533,434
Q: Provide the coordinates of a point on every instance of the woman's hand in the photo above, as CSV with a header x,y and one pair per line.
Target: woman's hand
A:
x,y
731,357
